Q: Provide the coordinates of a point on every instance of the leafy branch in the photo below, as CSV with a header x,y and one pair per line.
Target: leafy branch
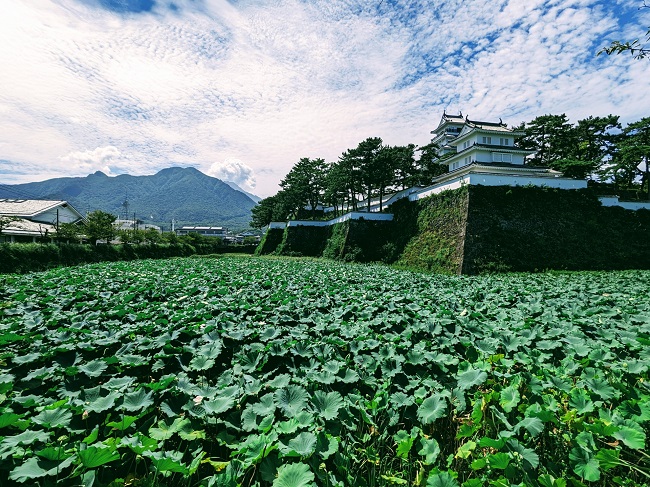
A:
x,y
635,48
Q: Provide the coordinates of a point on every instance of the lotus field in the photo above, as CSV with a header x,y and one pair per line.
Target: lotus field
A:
x,y
292,373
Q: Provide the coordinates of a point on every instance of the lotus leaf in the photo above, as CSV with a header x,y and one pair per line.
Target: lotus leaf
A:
x,y
291,400
294,475
470,378
430,450
585,464
94,456
35,468
432,408
442,479
327,405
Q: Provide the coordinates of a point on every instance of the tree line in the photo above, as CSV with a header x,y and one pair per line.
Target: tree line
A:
x,y
99,226
370,170
597,148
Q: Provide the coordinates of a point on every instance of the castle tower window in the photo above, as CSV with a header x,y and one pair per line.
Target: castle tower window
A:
x,y
501,157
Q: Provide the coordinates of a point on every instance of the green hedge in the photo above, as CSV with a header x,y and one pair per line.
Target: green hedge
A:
x,y
481,229
29,257
335,245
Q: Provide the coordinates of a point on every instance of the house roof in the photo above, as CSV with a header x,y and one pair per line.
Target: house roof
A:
x,y
499,168
469,126
453,118
26,208
31,208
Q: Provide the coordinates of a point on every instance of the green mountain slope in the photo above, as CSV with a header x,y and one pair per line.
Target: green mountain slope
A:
x,y
185,195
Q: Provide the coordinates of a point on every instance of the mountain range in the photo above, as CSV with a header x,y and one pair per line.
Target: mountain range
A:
x,y
184,195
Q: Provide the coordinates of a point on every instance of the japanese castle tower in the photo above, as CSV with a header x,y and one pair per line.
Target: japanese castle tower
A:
x,y
485,153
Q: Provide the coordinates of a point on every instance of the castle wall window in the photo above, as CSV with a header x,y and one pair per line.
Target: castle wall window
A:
x,y
487,140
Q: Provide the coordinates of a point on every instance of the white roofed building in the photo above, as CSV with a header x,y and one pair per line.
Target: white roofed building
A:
x,y
135,225
28,220
205,231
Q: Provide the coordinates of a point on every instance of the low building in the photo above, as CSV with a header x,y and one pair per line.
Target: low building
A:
x,y
220,232
244,237
135,225
30,220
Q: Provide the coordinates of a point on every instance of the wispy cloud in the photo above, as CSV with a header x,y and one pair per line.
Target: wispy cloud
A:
x,y
190,82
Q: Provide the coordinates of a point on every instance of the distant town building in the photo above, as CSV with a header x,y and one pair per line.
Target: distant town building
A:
x,y
29,220
244,237
220,232
135,225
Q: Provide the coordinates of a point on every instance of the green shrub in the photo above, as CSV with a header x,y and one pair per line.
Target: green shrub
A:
x,y
29,257
335,246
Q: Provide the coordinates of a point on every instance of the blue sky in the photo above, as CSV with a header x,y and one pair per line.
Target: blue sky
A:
x,y
243,89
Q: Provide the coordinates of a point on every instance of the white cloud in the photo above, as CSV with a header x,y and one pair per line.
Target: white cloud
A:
x,y
235,171
276,81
